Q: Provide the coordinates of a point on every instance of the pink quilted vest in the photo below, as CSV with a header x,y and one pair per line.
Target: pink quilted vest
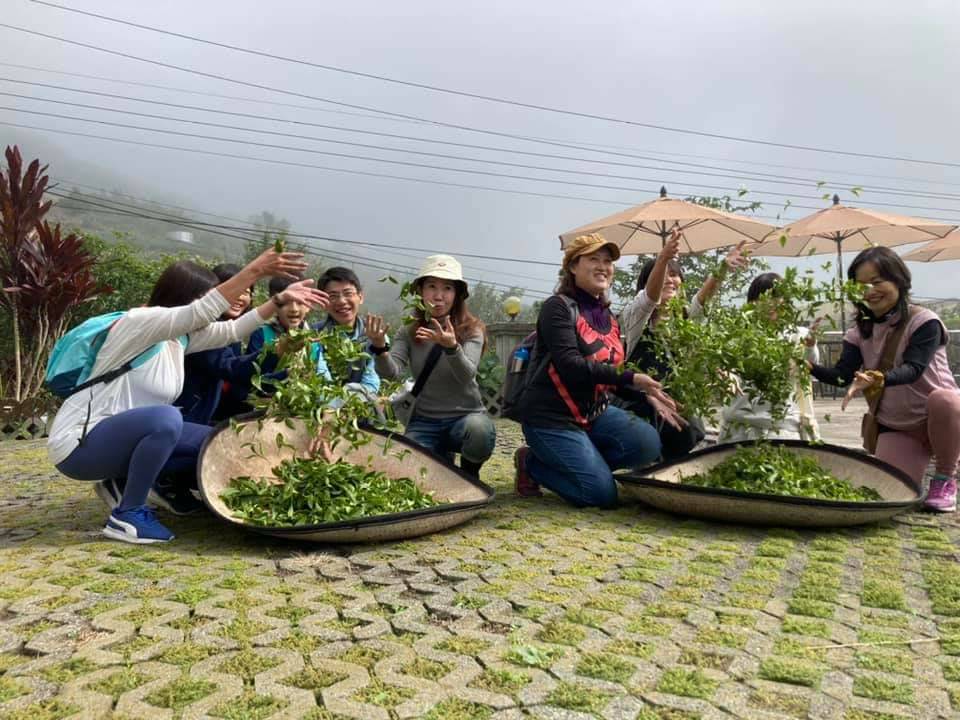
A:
x,y
904,407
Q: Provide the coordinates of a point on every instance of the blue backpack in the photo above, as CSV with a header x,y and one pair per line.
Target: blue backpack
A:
x,y
75,354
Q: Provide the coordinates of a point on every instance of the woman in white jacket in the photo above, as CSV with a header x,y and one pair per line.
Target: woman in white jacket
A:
x,y
127,428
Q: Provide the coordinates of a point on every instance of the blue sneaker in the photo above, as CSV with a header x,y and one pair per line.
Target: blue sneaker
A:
x,y
137,525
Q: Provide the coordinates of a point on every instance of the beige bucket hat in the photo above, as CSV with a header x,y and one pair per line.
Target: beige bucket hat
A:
x,y
443,267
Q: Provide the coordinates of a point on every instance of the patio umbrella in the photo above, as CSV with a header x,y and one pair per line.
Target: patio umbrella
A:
x,y
946,248
840,227
645,228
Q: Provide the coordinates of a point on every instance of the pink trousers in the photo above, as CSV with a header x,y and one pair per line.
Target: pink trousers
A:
x,y
939,437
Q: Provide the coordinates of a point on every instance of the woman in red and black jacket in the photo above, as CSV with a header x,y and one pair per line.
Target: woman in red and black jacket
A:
x,y
575,438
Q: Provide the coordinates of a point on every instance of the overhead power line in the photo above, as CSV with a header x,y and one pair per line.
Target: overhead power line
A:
x,y
592,147
733,173
407,116
491,98
106,207
469,171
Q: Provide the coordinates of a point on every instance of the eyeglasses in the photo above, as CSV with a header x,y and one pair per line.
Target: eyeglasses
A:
x,y
345,295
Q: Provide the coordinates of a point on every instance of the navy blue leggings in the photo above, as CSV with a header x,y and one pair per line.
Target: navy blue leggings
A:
x,y
140,445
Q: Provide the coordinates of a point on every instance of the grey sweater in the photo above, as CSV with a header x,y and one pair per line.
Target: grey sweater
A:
x,y
451,390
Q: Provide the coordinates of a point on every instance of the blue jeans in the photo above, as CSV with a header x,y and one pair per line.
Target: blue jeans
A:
x,y
140,445
473,436
578,465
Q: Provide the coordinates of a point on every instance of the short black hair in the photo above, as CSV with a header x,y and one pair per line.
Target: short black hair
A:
x,y
761,284
181,283
279,284
225,271
673,267
339,274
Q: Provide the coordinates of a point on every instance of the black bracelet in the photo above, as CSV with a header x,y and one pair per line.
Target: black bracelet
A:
x,y
453,350
378,350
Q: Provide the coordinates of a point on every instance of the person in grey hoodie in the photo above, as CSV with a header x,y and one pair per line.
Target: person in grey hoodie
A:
x,y
449,415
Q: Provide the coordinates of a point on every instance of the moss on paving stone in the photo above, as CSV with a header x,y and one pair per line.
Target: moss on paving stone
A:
x,y
427,669
572,696
877,688
562,633
119,682
661,713
884,660
10,689
605,666
180,693
247,664
463,645
506,682
248,706
456,709
383,695
533,656
45,710
363,655
687,683
790,670
859,714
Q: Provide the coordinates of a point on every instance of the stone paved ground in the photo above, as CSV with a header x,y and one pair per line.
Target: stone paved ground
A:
x,y
532,610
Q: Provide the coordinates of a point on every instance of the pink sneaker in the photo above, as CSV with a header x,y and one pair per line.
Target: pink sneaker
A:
x,y
942,495
525,485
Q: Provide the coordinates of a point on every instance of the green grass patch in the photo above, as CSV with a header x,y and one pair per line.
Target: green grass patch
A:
x,y
793,647
748,602
811,608
10,689
562,633
645,625
682,595
675,611
626,646
722,637
180,693
456,709
427,669
569,581
705,660
192,595
572,696
43,710
249,706
581,616
775,548
383,695
605,666
186,654
883,594
68,670
885,661
695,581
363,655
790,670
807,590
119,682
533,656
505,682
315,679
881,689
463,645
606,602
688,683
247,664
805,626
779,703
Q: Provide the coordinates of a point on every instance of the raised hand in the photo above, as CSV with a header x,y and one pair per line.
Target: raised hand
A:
x,y
376,329
270,263
441,334
671,249
304,292
736,258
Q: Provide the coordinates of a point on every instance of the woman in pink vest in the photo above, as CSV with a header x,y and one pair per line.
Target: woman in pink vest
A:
x,y
919,409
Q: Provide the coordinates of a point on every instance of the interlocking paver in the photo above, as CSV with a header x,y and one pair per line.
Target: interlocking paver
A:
x,y
532,610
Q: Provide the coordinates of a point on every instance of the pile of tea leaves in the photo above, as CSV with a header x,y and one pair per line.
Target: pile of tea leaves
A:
x,y
311,492
775,470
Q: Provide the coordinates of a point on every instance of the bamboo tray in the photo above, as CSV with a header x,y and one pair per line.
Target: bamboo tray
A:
x,y
661,487
224,456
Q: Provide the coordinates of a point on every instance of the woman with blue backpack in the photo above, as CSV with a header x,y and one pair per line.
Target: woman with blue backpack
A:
x,y
575,437
117,424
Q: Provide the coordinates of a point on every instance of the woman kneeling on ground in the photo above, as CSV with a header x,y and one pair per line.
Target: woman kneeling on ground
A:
x,y
660,281
126,429
575,438
449,415
919,403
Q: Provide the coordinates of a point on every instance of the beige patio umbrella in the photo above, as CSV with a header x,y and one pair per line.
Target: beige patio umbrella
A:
x,y
645,228
840,227
945,248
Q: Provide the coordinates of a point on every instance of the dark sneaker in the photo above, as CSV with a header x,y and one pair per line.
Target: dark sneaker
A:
x,y
174,498
523,483
942,495
137,525
110,491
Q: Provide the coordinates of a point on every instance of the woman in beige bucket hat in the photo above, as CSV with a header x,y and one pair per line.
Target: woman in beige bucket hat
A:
x,y
449,415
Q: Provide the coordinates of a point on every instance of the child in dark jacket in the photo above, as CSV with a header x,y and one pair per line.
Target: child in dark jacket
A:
x,y
291,316
217,381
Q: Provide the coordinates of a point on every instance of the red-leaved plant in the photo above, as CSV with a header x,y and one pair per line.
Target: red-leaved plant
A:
x,y
44,276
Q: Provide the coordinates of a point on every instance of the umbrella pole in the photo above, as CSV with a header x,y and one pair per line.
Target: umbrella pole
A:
x,y
840,299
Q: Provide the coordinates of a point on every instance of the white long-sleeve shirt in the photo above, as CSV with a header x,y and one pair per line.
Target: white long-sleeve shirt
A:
x,y
635,317
159,380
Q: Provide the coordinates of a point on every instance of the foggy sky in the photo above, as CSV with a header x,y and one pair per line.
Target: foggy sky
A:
x,y
876,77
